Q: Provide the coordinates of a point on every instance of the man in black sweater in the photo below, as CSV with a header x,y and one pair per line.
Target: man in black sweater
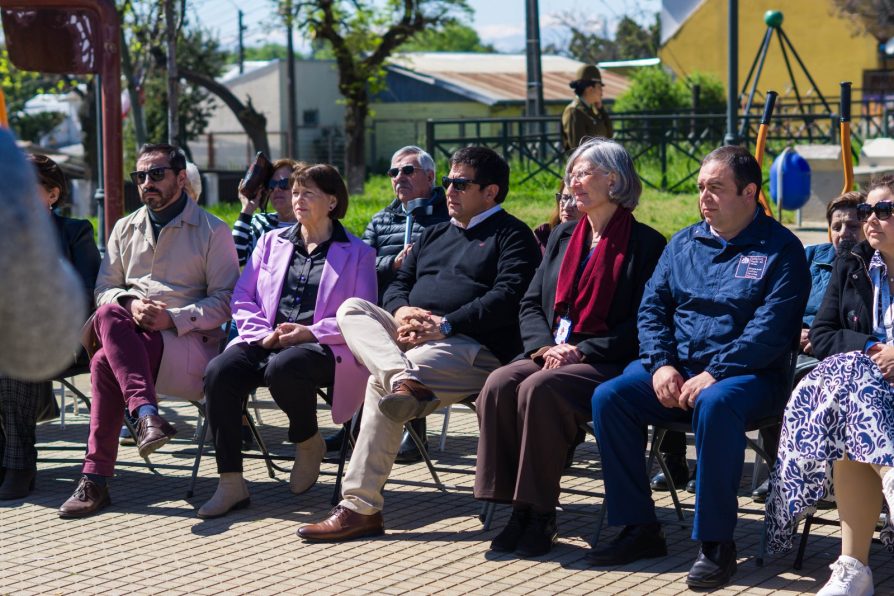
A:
x,y
420,204
450,317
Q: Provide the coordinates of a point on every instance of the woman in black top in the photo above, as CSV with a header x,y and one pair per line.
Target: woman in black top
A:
x,y
578,324
21,401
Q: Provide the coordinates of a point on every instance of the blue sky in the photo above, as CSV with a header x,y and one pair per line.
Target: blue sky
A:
x,y
499,22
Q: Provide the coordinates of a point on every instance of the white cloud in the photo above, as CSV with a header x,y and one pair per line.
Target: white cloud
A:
x,y
499,31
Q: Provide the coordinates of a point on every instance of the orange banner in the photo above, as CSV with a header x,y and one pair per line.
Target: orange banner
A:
x,y
4,118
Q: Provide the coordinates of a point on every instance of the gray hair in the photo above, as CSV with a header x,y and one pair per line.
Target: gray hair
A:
x,y
194,181
609,156
422,156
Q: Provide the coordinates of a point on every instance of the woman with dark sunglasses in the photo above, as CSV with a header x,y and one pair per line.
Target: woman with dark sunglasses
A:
x,y
565,210
21,401
578,325
251,223
839,422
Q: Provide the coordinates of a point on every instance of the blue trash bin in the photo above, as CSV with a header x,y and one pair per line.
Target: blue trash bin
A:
x,y
790,180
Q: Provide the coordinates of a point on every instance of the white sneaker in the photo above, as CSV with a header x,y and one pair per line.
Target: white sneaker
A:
x,y
850,577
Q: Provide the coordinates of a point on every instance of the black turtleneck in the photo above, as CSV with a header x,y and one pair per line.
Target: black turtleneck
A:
x,y
160,219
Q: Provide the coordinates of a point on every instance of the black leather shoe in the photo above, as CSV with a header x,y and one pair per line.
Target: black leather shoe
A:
x,y
540,535
507,540
408,452
715,565
641,541
690,486
248,441
759,495
679,469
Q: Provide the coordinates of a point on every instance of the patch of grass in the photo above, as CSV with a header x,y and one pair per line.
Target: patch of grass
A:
x,y
532,201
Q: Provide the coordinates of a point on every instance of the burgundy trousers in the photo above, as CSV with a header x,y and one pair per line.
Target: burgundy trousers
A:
x,y
122,373
528,418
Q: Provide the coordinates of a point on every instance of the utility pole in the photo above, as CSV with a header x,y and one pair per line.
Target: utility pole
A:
x,y
171,34
732,70
292,113
534,101
241,43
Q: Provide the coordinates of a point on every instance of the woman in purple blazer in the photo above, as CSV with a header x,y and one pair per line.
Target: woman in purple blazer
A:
x,y
284,307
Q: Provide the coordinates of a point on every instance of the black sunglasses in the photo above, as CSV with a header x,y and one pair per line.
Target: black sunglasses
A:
x,y
459,184
154,174
560,198
882,210
405,170
281,184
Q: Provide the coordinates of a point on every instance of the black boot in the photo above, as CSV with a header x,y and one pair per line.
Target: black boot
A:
x,y
759,495
507,540
679,469
408,453
17,484
540,535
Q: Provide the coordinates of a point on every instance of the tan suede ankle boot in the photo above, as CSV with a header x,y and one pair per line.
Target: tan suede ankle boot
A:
x,y
231,493
308,457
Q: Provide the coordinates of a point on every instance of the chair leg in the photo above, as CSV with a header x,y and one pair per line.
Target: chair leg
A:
x,y
253,398
487,514
262,447
600,520
62,409
421,447
201,431
342,457
799,558
443,444
670,481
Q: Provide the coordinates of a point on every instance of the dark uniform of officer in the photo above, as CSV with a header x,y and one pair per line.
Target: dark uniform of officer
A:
x,y
585,116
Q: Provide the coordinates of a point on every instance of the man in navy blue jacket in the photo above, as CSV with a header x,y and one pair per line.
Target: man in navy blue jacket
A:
x,y
717,324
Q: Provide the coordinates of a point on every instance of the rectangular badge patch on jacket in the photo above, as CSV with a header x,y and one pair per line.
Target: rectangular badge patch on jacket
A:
x,y
751,267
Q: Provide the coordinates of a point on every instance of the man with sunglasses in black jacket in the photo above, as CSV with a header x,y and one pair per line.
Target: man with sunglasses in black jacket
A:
x,y
418,205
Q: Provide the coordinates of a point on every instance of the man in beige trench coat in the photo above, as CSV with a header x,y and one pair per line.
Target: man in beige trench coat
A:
x,y
162,294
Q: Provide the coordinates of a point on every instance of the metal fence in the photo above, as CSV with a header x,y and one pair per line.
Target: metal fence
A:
x,y
233,151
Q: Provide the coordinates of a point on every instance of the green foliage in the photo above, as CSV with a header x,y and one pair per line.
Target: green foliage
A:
x,y
712,95
632,41
267,51
21,85
453,37
652,89
198,51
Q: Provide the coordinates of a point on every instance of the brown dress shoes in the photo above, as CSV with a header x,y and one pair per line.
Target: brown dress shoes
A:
x,y
343,524
88,498
408,400
152,432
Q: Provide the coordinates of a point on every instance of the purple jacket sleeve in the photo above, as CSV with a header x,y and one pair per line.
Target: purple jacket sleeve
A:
x,y
247,314
362,284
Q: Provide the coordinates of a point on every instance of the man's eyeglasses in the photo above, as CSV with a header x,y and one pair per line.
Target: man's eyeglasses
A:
x,y
281,184
459,184
564,199
154,174
882,210
405,170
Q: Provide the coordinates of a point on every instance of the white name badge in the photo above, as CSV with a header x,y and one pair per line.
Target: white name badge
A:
x,y
563,331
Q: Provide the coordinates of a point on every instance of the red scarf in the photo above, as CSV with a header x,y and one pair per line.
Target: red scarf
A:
x,y
588,303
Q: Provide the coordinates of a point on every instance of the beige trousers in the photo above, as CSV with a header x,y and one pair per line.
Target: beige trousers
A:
x,y
453,368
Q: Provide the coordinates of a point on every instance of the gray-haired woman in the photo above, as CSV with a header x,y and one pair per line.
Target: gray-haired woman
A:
x,y
578,324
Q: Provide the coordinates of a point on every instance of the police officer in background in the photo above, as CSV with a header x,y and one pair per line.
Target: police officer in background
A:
x,y
585,116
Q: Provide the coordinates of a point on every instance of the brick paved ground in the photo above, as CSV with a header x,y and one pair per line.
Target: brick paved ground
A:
x,y
150,541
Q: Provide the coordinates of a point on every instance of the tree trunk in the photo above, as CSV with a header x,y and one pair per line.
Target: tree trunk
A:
x,y
136,109
253,122
171,35
355,142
